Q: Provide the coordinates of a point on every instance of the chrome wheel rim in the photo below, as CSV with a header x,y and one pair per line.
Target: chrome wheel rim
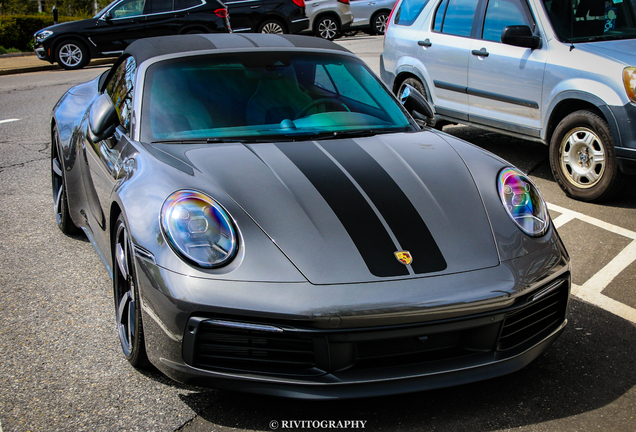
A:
x,y
380,23
583,158
70,55
272,27
125,298
327,29
57,180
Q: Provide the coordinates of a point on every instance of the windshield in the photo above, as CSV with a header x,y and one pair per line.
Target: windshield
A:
x,y
101,12
592,20
265,96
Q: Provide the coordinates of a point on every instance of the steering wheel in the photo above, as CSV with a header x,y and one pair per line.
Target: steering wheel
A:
x,y
322,101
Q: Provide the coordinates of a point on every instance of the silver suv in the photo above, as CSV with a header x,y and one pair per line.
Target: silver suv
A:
x,y
328,18
560,72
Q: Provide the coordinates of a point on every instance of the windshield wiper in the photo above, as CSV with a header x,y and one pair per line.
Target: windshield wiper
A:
x,y
201,141
354,133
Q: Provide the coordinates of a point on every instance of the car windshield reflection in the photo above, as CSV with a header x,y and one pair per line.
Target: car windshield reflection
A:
x,y
258,97
592,20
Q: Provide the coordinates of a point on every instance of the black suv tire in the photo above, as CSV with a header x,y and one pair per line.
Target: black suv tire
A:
x,y
583,159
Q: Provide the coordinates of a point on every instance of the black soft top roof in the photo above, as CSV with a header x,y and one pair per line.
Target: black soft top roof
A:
x,y
144,49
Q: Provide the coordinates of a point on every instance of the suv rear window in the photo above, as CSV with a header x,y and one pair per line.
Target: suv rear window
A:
x,y
408,12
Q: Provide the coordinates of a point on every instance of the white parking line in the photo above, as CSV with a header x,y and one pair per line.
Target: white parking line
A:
x,y
592,290
8,121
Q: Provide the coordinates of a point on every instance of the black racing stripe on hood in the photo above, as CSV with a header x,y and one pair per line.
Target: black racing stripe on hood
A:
x,y
397,210
354,212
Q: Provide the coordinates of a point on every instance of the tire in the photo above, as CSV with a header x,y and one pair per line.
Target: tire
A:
x,y
58,183
271,26
71,55
416,84
327,28
583,159
378,23
126,296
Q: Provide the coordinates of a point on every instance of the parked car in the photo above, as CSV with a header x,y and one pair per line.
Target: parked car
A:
x,y
308,239
109,32
328,18
370,15
560,72
268,16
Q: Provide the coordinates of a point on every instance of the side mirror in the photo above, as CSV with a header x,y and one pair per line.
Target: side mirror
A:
x,y
102,119
521,36
416,104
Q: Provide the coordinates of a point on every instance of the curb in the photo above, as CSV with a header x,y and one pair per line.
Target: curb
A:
x,y
98,62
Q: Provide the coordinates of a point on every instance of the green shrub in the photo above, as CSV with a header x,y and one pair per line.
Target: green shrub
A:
x,y
17,30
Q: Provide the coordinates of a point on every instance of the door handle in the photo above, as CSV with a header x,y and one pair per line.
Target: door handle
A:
x,y
481,53
425,43
254,7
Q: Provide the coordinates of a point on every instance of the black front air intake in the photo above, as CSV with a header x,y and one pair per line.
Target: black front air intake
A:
x,y
543,314
247,348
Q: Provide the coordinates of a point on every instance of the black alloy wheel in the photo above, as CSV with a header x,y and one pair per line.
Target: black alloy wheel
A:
x,y
58,183
126,293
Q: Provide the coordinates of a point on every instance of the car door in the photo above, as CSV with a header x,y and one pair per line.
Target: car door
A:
x,y
362,11
505,82
162,18
103,158
245,14
119,27
444,43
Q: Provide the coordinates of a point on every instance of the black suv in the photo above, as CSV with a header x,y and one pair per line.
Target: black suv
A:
x,y
108,33
268,16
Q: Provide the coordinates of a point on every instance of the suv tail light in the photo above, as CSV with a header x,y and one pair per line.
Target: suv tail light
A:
x,y
299,3
344,1
221,13
386,28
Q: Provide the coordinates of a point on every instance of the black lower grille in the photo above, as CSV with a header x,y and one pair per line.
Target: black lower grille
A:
x,y
537,319
402,346
255,350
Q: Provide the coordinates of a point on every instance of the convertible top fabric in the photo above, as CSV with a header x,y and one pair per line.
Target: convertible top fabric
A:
x,y
144,49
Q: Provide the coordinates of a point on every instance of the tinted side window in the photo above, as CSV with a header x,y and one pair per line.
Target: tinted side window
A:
x,y
120,90
127,8
455,17
408,11
500,14
157,6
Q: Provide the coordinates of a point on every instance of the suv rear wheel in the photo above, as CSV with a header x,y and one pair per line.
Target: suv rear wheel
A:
x,y
271,26
582,157
378,23
327,28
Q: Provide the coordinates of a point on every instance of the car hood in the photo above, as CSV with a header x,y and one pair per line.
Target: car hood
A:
x,y
623,51
343,210
70,26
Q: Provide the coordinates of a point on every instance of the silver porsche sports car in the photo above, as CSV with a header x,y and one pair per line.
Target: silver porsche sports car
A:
x,y
275,221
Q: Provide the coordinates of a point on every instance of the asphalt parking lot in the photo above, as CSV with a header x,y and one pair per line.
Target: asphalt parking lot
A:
x,y
62,368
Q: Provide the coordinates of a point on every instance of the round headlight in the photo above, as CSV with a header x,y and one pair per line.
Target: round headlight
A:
x,y
198,229
523,202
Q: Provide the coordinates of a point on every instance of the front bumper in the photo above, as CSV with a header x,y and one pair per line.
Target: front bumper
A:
x,y
625,129
288,340
43,52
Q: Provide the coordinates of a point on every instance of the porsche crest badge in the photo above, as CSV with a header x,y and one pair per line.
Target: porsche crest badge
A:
x,y
404,257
